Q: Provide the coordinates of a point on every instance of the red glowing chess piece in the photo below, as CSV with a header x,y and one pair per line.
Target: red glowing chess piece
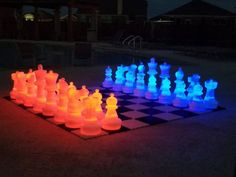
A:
x,y
99,112
61,114
74,118
13,92
91,126
50,106
41,92
111,120
31,89
21,87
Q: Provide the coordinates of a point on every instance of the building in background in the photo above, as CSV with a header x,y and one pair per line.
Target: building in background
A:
x,y
196,21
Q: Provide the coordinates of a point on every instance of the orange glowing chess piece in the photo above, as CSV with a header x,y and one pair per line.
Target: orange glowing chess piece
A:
x,y
99,112
83,92
13,92
21,87
41,92
50,106
31,89
61,114
91,126
74,108
111,120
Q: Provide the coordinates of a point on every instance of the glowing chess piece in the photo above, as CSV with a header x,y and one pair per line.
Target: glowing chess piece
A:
x,y
83,92
152,90
99,112
130,79
31,89
140,89
74,109
165,96
50,106
41,92
180,99
91,126
197,104
209,99
193,80
111,120
21,87
120,78
61,113
13,92
108,82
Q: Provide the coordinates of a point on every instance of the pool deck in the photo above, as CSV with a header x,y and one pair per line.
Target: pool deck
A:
x,y
202,146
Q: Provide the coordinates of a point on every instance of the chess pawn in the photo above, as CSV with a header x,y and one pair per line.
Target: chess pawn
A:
x,y
98,109
111,120
152,90
180,99
120,79
197,104
140,89
61,113
193,80
165,96
108,82
209,99
31,89
83,93
40,74
13,92
21,87
130,80
165,69
90,126
74,118
50,106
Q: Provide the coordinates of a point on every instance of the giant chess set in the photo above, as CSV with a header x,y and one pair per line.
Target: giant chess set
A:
x,y
120,104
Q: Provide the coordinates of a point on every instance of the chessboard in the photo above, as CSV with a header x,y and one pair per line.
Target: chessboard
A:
x,y
135,112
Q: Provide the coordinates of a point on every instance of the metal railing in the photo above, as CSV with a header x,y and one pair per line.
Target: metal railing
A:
x,y
133,41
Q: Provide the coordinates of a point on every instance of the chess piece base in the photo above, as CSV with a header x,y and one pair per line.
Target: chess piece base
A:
x,y
13,94
90,128
197,106
49,109
29,101
165,99
107,84
74,121
60,116
139,92
117,87
151,95
211,104
38,105
111,123
126,89
180,103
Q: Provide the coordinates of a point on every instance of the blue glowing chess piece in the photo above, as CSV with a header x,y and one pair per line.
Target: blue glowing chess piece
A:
x,y
140,83
165,96
209,99
152,90
130,79
108,82
120,79
180,99
197,104
192,80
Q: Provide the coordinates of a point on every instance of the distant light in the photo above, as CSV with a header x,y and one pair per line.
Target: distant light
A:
x,y
29,17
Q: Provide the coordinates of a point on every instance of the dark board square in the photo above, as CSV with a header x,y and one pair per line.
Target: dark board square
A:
x,y
124,103
126,97
105,91
151,120
151,111
123,117
184,113
122,109
152,104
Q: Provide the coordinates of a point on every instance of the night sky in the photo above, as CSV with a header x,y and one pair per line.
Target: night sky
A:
x,y
157,7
